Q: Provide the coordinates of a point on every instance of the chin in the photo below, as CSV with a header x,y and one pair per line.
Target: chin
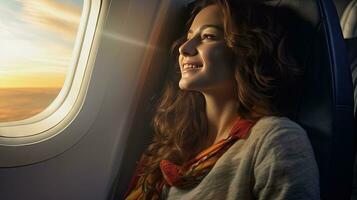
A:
x,y
185,85
189,86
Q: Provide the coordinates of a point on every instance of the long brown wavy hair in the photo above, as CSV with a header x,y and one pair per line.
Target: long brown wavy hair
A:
x,y
264,74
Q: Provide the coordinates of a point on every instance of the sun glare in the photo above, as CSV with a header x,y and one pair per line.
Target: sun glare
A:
x,y
35,51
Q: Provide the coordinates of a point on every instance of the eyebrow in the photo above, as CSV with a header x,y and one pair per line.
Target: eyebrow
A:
x,y
208,26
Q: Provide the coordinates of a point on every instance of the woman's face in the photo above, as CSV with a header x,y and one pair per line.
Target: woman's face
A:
x,y
205,60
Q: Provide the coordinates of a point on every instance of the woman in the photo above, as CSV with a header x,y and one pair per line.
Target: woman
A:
x,y
220,130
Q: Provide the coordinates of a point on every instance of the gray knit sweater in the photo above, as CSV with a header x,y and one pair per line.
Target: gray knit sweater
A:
x,y
275,162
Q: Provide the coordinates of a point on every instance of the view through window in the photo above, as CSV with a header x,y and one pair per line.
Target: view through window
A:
x,y
36,46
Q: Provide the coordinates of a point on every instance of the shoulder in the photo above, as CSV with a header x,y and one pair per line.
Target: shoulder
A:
x,y
277,129
273,123
284,160
280,136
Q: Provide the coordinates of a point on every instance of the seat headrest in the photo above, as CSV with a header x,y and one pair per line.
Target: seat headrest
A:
x,y
349,20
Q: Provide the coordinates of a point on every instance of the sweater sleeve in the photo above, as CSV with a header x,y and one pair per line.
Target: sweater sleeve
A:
x,y
285,166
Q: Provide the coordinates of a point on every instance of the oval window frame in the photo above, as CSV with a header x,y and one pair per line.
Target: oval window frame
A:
x,y
46,134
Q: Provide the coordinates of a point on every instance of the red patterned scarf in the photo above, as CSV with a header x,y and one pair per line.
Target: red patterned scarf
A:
x,y
191,173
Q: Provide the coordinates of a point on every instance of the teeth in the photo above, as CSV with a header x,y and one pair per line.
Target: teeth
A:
x,y
189,66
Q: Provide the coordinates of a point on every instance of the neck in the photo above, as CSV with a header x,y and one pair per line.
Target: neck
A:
x,y
221,110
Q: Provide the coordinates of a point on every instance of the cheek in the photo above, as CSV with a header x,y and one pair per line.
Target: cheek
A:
x,y
218,58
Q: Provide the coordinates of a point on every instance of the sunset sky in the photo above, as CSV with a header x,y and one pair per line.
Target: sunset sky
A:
x,y
37,38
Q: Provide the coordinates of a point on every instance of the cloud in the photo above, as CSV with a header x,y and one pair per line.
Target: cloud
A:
x,y
41,55
20,104
60,18
33,80
37,42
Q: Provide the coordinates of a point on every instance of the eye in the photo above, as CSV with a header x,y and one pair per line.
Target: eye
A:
x,y
207,36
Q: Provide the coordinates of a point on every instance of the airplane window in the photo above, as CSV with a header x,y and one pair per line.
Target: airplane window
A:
x,y
37,41
47,54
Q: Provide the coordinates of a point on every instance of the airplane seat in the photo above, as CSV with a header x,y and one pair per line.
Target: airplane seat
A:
x,y
351,44
349,20
340,6
325,106
349,28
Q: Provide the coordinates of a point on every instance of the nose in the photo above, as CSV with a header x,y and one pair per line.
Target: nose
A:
x,y
188,48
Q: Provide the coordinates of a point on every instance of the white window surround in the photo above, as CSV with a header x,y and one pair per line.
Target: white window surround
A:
x,y
66,99
38,132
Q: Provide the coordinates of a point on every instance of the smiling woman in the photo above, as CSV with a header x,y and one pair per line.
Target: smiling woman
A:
x,y
37,42
221,126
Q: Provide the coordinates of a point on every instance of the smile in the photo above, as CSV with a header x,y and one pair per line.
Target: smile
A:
x,y
190,67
